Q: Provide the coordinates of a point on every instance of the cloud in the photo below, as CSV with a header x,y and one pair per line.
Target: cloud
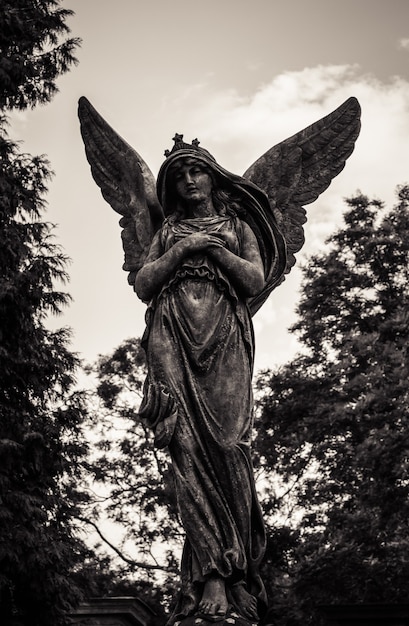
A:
x,y
404,43
238,129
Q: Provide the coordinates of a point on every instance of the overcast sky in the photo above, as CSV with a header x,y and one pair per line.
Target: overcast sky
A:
x,y
241,76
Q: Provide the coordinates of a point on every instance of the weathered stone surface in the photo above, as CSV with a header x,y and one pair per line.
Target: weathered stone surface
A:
x,y
232,619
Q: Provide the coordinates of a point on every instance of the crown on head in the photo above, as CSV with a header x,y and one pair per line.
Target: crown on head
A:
x,y
180,145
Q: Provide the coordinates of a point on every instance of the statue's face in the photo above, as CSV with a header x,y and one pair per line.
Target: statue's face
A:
x,y
192,182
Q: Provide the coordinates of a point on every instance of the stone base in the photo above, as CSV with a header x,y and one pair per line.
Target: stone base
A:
x,y
231,619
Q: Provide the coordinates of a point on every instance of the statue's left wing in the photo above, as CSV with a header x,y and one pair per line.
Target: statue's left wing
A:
x,y
296,171
126,183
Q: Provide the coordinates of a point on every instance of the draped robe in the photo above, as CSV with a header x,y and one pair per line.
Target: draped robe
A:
x,y
198,399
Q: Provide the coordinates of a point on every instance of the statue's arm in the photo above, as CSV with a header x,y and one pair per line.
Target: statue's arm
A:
x,y
160,265
154,272
246,272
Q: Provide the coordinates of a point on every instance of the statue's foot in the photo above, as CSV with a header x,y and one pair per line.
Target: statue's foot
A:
x,y
244,601
213,605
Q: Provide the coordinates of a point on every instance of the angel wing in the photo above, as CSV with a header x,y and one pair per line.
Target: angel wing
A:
x,y
126,183
296,171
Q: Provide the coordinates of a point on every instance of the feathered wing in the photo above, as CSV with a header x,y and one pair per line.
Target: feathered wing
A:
x,y
296,171
126,183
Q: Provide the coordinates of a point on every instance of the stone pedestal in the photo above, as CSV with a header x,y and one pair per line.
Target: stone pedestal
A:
x,y
231,619
126,611
367,615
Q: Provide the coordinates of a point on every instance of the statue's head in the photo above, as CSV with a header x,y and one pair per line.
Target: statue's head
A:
x,y
181,156
226,195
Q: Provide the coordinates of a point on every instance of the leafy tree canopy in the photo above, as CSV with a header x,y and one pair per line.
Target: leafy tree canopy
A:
x,y
334,423
133,478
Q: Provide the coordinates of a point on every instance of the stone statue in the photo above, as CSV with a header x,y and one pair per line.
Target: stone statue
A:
x,y
204,248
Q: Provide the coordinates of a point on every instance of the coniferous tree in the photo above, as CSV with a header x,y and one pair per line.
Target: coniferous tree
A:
x,y
334,423
34,51
41,446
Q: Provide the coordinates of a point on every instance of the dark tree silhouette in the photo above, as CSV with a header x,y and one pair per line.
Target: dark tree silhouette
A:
x,y
41,445
334,423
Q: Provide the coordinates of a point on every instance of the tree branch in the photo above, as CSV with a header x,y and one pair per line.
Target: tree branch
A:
x,y
132,562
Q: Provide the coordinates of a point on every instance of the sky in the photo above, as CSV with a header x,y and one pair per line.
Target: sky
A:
x,y
241,77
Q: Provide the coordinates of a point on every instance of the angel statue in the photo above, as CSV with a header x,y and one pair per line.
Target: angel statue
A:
x,y
204,248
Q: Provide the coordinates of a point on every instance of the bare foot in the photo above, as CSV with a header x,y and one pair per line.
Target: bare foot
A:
x,y
244,601
213,604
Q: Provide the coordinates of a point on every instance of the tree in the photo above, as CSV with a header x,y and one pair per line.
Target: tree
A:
x,y
41,443
334,423
133,478
34,51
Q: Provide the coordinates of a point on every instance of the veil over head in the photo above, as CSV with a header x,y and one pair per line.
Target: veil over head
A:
x,y
256,210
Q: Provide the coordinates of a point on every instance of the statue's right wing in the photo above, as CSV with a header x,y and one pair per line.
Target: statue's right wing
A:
x,y
126,183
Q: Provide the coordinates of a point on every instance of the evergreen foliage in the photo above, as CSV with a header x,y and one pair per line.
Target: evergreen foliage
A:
x,y
41,442
34,51
40,428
